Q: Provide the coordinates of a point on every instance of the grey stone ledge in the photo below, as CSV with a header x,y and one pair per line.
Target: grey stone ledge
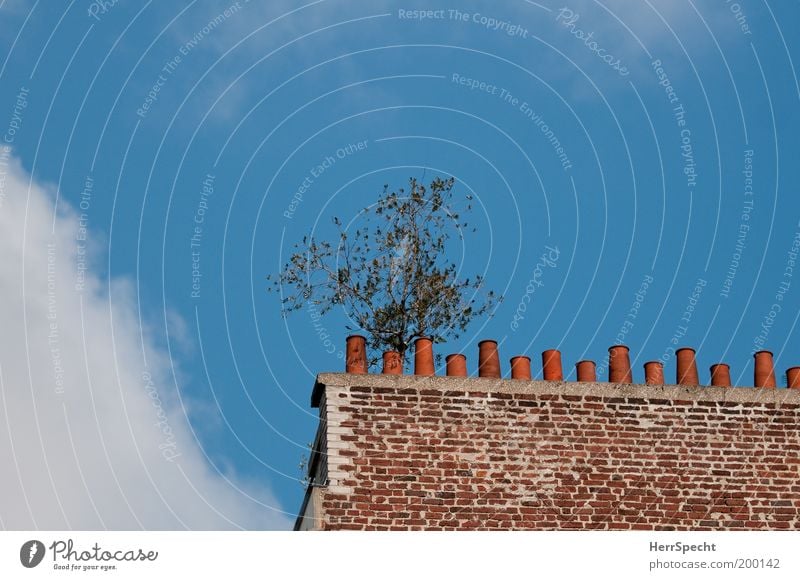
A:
x,y
780,396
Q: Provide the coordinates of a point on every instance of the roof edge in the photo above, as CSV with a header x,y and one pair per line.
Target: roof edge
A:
x,y
599,389
319,389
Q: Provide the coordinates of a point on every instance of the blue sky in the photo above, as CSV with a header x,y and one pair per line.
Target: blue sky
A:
x,y
648,150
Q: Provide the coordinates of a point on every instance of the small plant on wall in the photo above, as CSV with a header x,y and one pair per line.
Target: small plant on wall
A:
x,y
392,275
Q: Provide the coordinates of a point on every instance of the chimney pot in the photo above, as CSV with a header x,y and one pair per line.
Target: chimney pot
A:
x,y
720,375
456,365
521,368
392,363
654,373
793,378
423,357
687,367
765,370
356,355
551,365
619,365
586,371
488,359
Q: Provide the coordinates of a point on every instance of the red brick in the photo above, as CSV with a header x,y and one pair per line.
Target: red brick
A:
x,y
435,459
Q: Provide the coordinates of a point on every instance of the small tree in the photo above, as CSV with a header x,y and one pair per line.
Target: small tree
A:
x,y
391,275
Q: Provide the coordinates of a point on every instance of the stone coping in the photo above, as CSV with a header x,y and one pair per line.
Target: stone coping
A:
x,y
778,396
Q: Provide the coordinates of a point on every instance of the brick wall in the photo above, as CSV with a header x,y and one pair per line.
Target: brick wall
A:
x,y
410,452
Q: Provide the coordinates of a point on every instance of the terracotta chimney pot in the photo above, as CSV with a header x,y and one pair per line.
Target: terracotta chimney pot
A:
x,y
423,357
720,375
619,365
521,368
586,371
356,355
765,370
687,367
488,359
456,365
551,365
654,372
392,363
793,378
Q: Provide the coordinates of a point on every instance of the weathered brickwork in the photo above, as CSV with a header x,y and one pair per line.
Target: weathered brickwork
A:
x,y
448,453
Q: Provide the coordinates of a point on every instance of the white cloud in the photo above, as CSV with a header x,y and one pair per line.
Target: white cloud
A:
x,y
90,438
